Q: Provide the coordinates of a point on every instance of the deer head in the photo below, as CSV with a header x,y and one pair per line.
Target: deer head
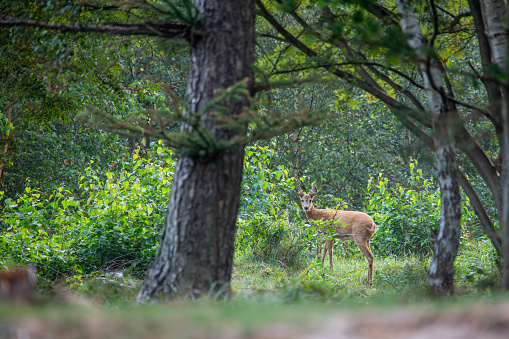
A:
x,y
306,199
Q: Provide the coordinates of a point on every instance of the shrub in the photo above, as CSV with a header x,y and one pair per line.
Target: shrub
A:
x,y
264,226
406,218
113,220
272,240
475,267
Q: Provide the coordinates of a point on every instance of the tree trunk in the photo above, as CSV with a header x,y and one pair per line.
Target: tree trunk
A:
x,y
504,215
296,144
196,251
496,33
441,270
493,11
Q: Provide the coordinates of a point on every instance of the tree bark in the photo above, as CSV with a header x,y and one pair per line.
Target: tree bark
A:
x,y
492,87
441,270
493,11
196,252
504,215
496,32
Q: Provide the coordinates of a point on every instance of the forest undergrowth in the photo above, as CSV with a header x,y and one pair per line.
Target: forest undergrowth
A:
x,y
98,240
398,280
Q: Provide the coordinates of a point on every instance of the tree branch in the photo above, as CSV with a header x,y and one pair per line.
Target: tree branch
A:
x,y
151,28
286,83
281,30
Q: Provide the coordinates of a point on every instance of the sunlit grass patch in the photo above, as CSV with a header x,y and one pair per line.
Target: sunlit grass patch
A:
x,y
394,278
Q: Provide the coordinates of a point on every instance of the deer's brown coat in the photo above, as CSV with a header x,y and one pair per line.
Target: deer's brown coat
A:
x,y
347,225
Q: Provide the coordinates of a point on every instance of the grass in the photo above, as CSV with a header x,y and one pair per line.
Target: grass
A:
x,y
395,279
268,296
252,320
346,283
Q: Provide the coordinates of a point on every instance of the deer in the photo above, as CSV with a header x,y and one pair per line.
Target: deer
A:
x,y
347,225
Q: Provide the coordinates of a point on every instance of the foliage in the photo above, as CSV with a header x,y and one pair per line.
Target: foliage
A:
x,y
408,217
264,226
113,221
476,268
362,45
47,157
356,140
91,219
50,76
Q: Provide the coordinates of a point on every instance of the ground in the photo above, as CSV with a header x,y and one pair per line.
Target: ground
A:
x,y
300,321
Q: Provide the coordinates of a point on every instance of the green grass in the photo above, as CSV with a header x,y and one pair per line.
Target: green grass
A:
x,y
396,280
267,295
346,283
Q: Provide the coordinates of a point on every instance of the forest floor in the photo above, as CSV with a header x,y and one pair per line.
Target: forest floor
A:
x,y
300,321
271,302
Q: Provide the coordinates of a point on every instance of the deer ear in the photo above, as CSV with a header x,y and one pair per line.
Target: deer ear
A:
x,y
299,191
313,191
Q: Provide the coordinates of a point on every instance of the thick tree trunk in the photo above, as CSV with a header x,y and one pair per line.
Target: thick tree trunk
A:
x,y
441,270
196,251
504,216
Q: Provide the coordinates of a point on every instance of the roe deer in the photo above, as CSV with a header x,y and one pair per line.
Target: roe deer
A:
x,y
347,225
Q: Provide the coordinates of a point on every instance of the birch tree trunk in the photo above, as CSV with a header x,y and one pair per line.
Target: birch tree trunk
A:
x,y
441,270
196,251
493,12
504,215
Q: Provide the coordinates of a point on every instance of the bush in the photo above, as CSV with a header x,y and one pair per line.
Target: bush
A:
x,y
408,218
114,219
264,226
271,239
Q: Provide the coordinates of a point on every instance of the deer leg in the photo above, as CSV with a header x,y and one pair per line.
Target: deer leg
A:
x,y
331,246
324,252
366,250
371,260
328,248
